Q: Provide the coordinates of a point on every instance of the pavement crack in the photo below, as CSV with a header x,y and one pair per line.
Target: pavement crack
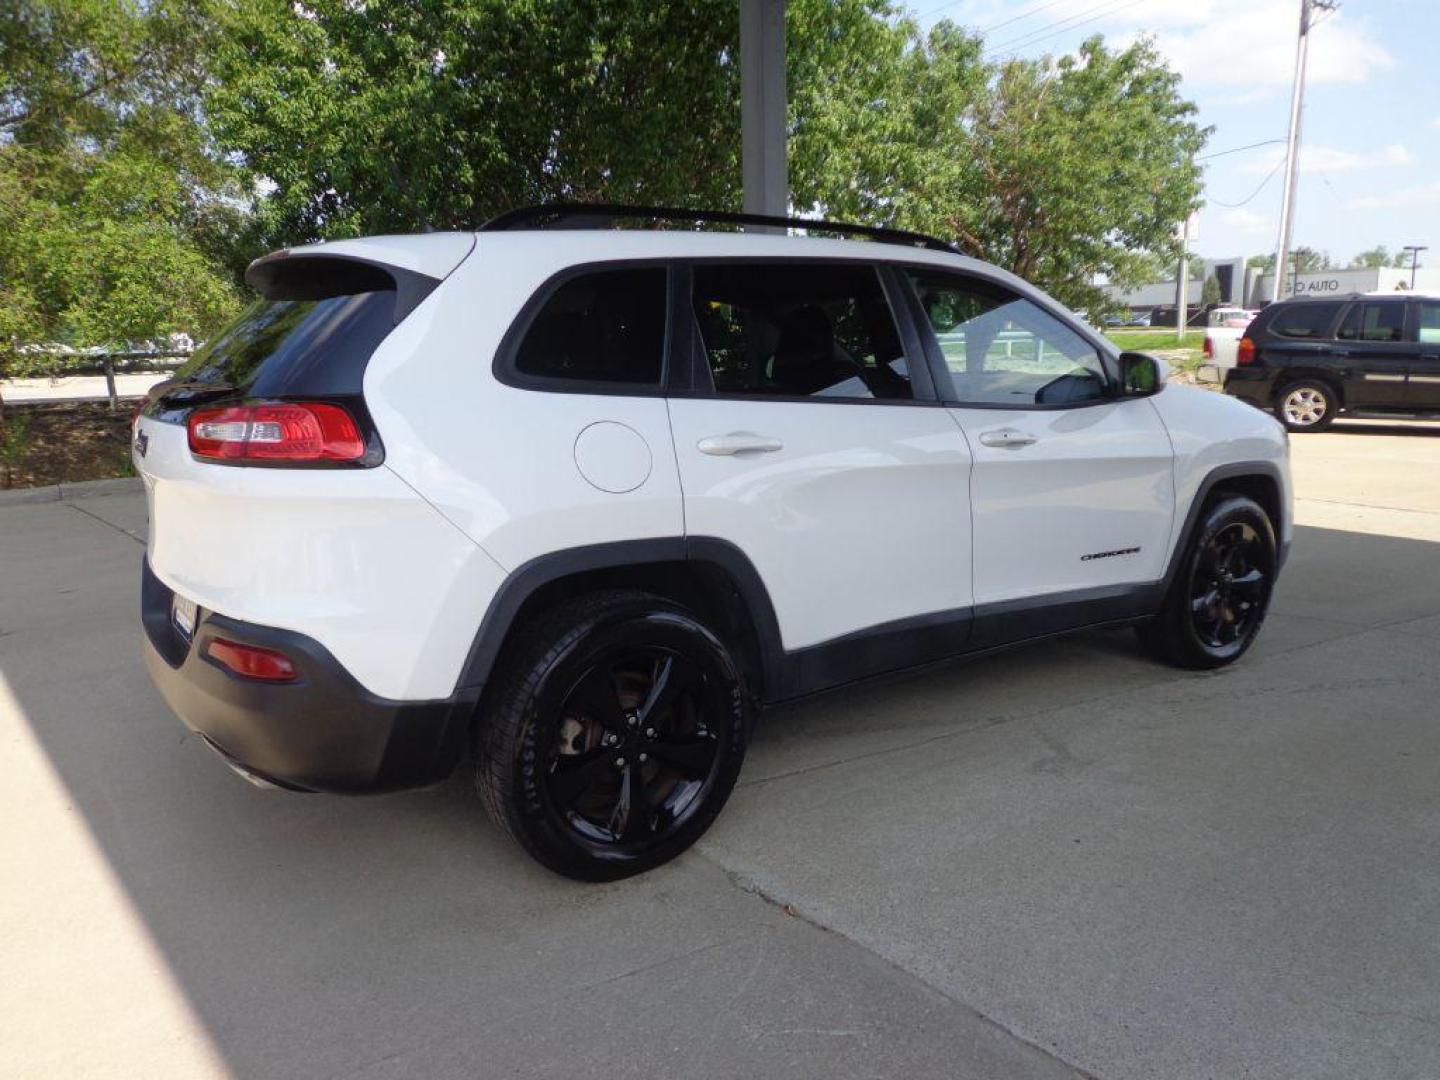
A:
x,y
747,883
108,524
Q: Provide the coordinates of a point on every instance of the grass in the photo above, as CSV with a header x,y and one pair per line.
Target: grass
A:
x,y
1184,356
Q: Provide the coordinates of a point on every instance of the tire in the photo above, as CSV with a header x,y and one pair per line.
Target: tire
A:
x,y
1306,405
615,736
1218,601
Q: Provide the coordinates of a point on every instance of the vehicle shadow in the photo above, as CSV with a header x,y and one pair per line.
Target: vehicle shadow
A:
x,y
1430,429
317,935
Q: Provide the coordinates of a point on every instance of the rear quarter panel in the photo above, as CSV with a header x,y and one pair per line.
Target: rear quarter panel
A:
x,y
351,557
500,461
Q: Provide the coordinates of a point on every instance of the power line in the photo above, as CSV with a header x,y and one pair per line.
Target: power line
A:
x,y
1268,177
995,26
1025,41
1023,15
1040,30
1237,149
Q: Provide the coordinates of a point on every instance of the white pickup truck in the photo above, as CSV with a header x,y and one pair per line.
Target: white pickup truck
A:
x,y
1223,329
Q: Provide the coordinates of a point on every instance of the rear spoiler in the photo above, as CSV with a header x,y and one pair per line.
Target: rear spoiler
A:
x,y
302,275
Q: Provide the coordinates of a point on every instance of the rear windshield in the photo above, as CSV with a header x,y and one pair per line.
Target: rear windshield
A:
x,y
1305,320
278,346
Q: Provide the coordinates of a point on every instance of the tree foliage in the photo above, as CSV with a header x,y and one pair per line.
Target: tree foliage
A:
x,y
1380,257
147,147
119,220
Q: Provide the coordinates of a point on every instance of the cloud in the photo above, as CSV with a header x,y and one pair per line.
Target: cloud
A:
x,y
1422,195
1242,45
1246,221
1261,51
1315,158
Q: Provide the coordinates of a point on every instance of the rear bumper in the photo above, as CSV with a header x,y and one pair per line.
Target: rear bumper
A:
x,y
322,732
1253,385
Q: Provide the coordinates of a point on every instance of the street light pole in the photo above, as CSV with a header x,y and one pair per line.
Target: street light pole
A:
x,y
1292,142
1414,250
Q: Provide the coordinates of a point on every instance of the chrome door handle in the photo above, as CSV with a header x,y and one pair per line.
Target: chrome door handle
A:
x,y
738,442
1006,437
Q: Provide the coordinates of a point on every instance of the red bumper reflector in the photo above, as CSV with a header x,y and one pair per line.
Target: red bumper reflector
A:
x,y
251,661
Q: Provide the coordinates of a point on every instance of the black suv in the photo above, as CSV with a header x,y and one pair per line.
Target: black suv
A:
x,y
1311,359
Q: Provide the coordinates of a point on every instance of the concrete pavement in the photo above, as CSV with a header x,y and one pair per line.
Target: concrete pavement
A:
x,y
1060,861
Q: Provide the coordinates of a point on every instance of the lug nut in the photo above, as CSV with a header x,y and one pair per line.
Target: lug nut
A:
x,y
649,732
644,757
619,762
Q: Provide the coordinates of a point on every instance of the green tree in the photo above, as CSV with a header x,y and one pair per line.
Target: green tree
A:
x,y
439,113
1210,291
1059,170
120,221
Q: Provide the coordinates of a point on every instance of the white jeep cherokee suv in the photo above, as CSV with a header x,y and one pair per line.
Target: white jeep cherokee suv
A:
x,y
575,502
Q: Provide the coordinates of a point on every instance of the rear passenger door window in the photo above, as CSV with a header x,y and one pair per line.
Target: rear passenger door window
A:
x,y
807,330
596,329
1383,321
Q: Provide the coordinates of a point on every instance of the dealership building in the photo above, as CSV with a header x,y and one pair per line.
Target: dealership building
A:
x,y
1241,286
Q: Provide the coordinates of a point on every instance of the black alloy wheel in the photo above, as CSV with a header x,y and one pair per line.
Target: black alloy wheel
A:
x,y
615,735
1229,585
633,754
1221,591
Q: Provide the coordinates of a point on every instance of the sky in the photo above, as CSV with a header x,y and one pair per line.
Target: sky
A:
x,y
1370,158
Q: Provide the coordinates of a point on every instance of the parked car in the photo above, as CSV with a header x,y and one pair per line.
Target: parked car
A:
x,y
1311,360
579,503
1223,330
1141,318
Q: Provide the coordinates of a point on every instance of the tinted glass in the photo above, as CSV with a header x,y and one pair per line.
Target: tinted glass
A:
x,y
1304,320
608,327
277,343
799,330
1374,322
1002,349
1430,322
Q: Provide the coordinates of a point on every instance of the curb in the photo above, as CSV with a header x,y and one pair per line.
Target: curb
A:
x,y
87,489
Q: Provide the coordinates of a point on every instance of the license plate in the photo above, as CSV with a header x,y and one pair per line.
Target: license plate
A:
x,y
183,611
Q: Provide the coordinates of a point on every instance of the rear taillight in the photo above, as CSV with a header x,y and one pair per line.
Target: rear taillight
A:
x,y
1209,349
282,431
1245,352
251,661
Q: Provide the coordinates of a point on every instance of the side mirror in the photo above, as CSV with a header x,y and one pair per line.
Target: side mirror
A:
x,y
1141,374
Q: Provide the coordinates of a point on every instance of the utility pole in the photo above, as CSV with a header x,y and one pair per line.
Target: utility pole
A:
x,y
1292,144
1414,250
1182,284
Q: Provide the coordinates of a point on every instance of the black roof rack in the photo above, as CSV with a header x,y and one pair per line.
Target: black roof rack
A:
x,y
601,215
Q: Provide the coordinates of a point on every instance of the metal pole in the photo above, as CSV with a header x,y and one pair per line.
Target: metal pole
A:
x,y
762,107
1182,284
1414,250
1292,147
109,368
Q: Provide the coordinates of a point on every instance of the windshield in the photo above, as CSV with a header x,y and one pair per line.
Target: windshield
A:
x,y
275,344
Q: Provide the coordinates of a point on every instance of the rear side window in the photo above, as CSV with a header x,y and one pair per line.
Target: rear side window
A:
x,y
812,330
1430,323
278,347
607,326
1374,322
1304,320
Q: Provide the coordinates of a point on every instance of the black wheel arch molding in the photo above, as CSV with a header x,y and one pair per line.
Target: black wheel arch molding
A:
x,y
917,641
